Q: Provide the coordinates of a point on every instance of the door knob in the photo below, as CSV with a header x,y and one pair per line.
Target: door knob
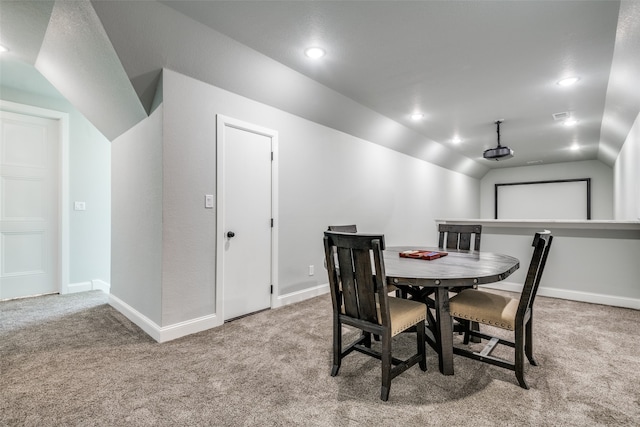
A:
x,y
230,234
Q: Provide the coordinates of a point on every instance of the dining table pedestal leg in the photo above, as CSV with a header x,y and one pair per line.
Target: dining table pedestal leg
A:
x,y
444,331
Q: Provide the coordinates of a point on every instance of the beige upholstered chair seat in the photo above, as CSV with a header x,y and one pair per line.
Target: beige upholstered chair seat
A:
x,y
485,307
405,313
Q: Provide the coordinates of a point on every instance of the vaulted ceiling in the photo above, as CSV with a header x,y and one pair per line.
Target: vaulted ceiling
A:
x,y
461,64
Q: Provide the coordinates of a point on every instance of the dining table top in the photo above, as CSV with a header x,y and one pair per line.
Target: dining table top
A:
x,y
457,268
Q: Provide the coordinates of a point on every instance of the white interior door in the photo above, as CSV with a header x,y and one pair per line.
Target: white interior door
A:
x,y
245,216
29,194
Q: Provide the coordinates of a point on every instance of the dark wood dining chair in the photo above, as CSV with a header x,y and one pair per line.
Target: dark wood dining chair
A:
x,y
459,236
360,299
505,313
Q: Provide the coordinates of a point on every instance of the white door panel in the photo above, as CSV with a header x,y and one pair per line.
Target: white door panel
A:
x,y
29,170
246,211
24,198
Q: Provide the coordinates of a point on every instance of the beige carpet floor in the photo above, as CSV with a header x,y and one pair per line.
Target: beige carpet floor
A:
x,y
73,360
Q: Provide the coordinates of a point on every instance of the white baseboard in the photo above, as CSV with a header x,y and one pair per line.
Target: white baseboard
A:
x,y
580,296
78,287
143,322
92,285
178,330
298,296
100,286
164,333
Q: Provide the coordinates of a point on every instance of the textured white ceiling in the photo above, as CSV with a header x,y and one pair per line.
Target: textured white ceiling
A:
x,y
464,64
77,57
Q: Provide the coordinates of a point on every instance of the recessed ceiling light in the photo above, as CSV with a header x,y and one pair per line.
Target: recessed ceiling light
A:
x,y
417,116
314,52
456,140
570,122
575,147
568,81
3,49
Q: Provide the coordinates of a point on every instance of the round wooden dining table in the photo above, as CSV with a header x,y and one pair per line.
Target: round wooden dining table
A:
x,y
422,279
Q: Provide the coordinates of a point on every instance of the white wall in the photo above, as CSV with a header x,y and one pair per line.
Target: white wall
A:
x,y
189,163
136,244
601,183
627,177
89,181
325,177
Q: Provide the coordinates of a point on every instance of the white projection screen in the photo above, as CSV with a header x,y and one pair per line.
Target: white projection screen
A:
x,y
559,199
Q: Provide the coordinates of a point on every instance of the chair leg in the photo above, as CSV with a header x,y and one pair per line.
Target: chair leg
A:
x,y
475,326
466,324
384,393
386,366
400,293
367,341
420,332
337,346
519,357
528,343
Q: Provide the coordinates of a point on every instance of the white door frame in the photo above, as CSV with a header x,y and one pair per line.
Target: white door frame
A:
x,y
221,123
63,201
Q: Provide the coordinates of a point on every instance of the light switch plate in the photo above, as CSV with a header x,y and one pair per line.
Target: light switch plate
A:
x,y
208,201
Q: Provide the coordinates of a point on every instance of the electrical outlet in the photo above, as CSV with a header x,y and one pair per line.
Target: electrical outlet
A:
x,y
311,270
79,206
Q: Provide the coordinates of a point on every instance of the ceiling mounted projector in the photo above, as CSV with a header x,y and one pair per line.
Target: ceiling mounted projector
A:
x,y
499,152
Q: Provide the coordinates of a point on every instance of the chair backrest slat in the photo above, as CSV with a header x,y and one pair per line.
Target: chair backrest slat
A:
x,y
464,241
542,244
359,282
452,240
459,236
348,281
365,285
334,280
351,228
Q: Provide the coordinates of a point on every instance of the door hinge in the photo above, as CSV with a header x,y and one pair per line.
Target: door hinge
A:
x,y
271,222
272,289
272,156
